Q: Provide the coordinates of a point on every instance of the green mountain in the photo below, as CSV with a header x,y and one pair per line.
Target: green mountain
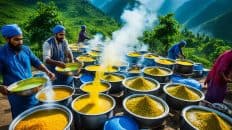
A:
x,y
191,9
73,14
220,27
212,11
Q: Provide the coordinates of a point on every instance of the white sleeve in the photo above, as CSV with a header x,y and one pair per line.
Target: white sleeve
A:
x,y
46,51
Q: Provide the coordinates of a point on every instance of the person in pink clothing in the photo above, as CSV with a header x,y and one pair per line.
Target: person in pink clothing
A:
x,y
219,76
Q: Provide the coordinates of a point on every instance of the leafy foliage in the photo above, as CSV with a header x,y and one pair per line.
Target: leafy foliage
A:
x,y
39,25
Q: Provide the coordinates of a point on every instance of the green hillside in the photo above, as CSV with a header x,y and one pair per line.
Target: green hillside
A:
x,y
214,10
73,14
218,28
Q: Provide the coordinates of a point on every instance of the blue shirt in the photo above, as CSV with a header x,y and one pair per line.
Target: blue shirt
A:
x,y
174,51
15,67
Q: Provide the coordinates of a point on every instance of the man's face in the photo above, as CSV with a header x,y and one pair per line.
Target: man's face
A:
x,y
16,42
60,36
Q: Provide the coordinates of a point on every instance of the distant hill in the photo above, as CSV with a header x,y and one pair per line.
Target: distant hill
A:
x,y
220,26
73,13
191,13
191,9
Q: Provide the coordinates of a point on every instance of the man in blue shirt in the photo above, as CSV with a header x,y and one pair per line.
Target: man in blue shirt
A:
x,y
56,52
15,64
176,50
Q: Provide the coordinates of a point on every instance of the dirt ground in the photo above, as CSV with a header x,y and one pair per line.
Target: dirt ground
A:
x,y
5,113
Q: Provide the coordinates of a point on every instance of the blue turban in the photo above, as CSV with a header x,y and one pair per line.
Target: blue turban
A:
x,y
182,43
58,28
83,27
11,30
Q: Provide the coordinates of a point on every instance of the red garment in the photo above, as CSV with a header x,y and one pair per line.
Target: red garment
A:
x,y
216,83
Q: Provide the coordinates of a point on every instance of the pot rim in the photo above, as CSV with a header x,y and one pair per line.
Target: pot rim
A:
x,y
201,94
192,107
101,94
55,86
147,78
50,106
164,104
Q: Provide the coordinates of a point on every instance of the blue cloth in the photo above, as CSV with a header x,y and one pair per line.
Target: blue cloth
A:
x,y
58,28
11,30
121,123
188,81
175,50
15,67
58,55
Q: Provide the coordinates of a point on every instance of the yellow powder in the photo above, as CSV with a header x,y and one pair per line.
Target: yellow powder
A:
x,y
134,70
86,58
145,106
94,53
156,72
141,83
183,93
112,78
85,105
99,68
58,94
134,54
184,63
44,120
151,56
164,61
204,120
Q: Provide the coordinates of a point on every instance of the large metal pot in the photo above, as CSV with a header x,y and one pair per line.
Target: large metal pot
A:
x,y
160,78
186,124
66,101
116,86
170,66
147,122
43,107
129,90
32,89
68,72
134,70
133,59
184,69
93,121
178,103
149,59
103,82
86,63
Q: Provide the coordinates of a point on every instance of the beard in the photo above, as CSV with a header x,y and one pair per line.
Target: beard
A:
x,y
17,48
59,39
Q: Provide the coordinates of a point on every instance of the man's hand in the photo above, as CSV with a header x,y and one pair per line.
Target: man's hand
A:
x,y
51,75
4,90
61,64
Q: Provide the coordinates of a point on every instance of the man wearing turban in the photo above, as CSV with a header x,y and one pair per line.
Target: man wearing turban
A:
x,y
176,50
56,52
15,65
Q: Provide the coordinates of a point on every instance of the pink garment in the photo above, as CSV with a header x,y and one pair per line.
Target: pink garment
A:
x,y
216,83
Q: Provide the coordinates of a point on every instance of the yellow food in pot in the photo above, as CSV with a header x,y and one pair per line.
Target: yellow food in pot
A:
x,y
204,120
145,106
44,120
85,105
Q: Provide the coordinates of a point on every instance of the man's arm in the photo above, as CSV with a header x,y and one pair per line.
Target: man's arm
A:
x,y
47,56
43,68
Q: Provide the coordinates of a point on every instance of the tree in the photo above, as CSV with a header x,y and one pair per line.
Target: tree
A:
x,y
164,34
39,26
